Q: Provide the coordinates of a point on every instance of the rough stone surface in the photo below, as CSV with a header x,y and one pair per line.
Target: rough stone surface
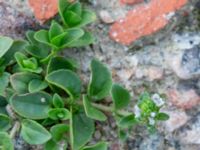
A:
x,y
185,99
153,142
187,64
191,133
14,23
177,119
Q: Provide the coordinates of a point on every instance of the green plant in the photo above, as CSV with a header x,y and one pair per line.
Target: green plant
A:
x,y
45,92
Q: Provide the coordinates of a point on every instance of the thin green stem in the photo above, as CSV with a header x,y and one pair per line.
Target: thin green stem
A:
x,y
46,60
108,109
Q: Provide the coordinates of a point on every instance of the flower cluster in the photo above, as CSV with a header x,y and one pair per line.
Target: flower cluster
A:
x,y
147,110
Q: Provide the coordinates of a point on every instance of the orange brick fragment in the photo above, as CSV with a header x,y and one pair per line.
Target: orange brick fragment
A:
x,y
44,9
144,20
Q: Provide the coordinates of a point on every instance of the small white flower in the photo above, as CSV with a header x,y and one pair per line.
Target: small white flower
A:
x,y
151,121
157,100
137,111
153,114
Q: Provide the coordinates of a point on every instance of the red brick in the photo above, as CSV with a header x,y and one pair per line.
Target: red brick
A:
x,y
44,9
144,20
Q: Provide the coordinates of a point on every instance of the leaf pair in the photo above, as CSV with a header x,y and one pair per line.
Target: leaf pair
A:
x,y
67,80
100,83
35,48
57,37
100,87
24,82
73,15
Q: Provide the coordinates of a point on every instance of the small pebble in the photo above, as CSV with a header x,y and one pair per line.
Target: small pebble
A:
x,y
97,135
105,17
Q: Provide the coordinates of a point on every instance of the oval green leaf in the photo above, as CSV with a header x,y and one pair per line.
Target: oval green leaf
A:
x,y
91,111
17,46
4,81
85,40
120,96
72,18
52,145
58,101
81,130
5,44
100,81
162,116
43,37
37,85
20,81
58,131
87,17
73,34
57,63
37,51
127,121
76,7
62,6
98,146
3,103
55,30
66,80
5,122
6,141
32,105
34,133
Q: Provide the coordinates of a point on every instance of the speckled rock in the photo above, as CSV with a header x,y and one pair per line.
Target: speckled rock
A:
x,y
13,22
177,119
187,64
185,99
190,134
153,142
